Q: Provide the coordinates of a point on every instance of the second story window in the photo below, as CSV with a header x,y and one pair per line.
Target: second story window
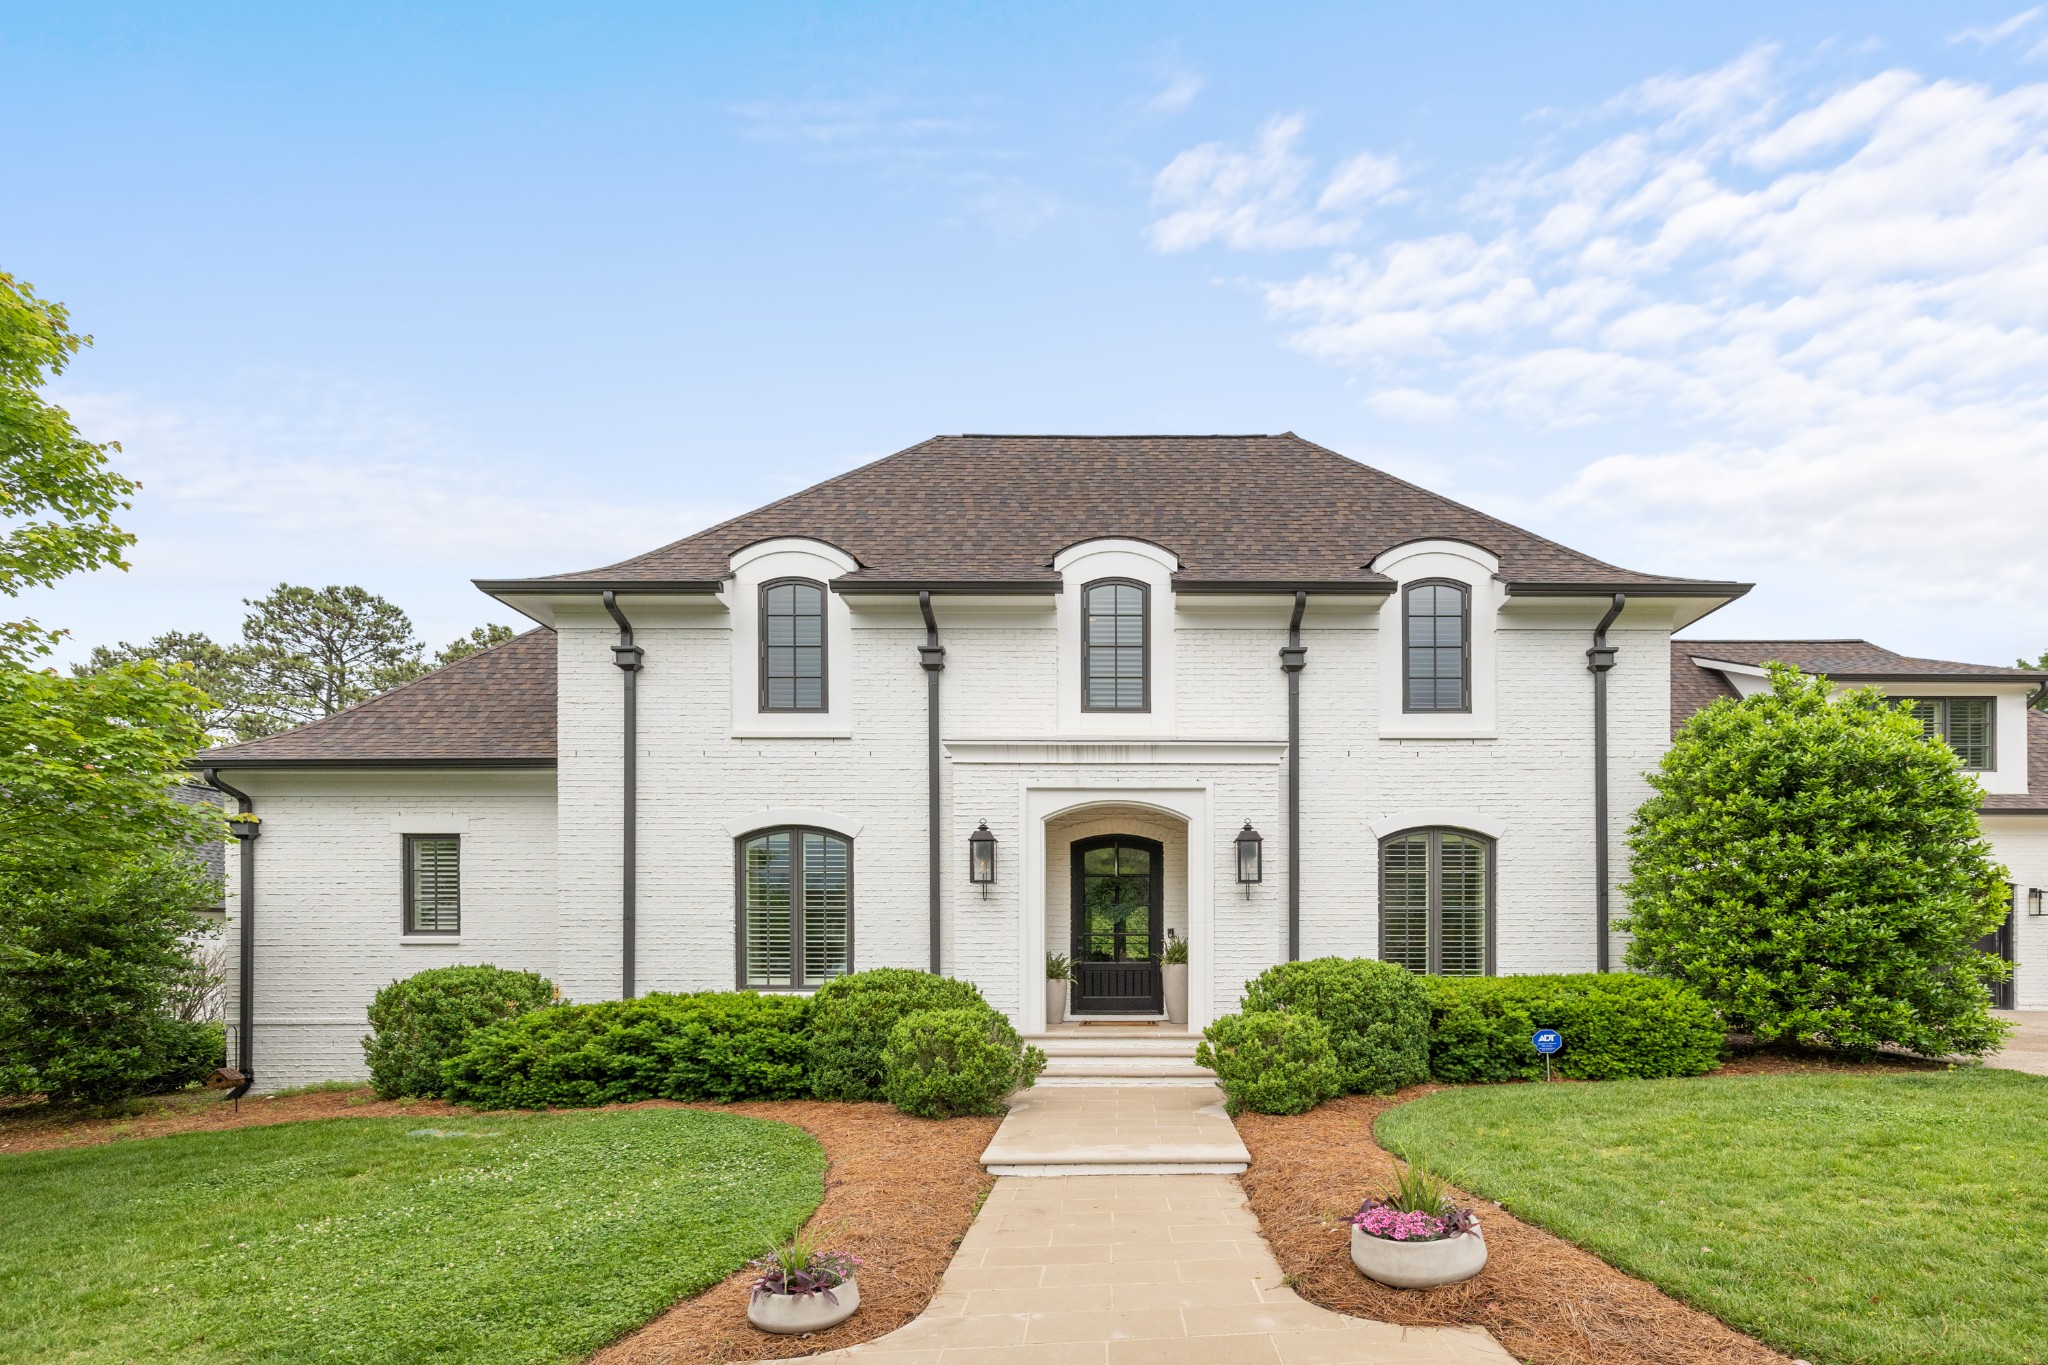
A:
x,y
1965,722
1114,652
793,645
1436,626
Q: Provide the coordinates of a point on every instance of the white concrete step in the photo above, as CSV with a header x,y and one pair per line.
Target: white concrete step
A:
x,y
1174,1129
1068,1046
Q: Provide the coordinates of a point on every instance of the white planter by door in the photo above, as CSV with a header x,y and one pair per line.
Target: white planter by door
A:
x,y
1055,1002
1173,981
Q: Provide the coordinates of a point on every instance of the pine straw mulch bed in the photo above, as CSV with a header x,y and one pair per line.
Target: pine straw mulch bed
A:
x,y
899,1194
1547,1300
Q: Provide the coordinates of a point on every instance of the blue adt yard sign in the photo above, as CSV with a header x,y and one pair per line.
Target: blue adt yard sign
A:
x,y
1548,1041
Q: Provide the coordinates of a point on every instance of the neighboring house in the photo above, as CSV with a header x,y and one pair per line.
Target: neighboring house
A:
x,y
1983,713
765,754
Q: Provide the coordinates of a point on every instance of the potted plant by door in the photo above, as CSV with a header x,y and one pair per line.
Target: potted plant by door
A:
x,y
1173,978
1414,1238
1057,973
800,1288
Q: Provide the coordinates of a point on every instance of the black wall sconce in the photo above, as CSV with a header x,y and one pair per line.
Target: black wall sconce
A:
x,y
1250,858
981,858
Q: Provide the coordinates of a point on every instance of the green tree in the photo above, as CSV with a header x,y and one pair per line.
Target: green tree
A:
x,y
220,671
476,642
57,495
315,651
1813,867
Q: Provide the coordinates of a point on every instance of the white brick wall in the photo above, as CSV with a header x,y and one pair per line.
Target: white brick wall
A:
x,y
329,900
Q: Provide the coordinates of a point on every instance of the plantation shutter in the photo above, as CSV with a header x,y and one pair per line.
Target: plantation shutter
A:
x,y
796,909
1434,911
1969,731
1462,912
1404,901
433,883
766,931
828,906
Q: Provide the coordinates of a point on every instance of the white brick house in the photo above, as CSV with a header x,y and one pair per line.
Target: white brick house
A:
x,y
1087,644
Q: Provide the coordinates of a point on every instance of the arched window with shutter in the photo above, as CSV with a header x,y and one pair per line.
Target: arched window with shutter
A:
x,y
795,914
1436,902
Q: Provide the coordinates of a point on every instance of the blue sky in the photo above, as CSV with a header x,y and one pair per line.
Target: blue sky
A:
x,y
405,296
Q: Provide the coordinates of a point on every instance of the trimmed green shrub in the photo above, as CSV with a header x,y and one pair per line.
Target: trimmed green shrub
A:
x,y
1377,1014
939,1063
851,1018
1615,1026
193,1049
1812,865
1271,1062
717,1045
428,1017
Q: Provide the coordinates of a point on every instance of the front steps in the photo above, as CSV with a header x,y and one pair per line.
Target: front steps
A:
x,y
1119,1056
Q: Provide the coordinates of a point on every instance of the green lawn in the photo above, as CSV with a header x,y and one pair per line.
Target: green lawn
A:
x,y
450,1239
1881,1218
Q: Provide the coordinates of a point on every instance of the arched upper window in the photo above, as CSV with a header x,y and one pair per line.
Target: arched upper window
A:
x,y
795,908
1436,902
1115,646
793,645
1437,637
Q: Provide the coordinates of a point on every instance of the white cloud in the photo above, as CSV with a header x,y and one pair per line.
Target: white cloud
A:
x,y
1986,35
1176,94
1788,328
1258,199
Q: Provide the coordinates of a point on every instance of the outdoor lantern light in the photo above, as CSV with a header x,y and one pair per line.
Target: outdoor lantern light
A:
x,y
981,858
1250,862
2034,900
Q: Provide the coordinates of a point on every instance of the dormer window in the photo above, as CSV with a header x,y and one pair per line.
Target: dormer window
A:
x,y
1115,655
1965,722
1437,640
793,645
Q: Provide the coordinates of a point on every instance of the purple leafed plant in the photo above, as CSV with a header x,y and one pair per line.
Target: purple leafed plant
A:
x,y
1417,1209
800,1268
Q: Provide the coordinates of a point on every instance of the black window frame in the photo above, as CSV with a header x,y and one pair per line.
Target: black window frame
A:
x,y
409,888
1464,706
797,981
824,647
1434,935
1145,657
1941,730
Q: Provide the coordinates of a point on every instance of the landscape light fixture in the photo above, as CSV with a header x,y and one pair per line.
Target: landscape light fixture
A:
x,y
1250,858
981,858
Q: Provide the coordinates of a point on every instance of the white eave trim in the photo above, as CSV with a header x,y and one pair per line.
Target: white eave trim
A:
x,y
1184,752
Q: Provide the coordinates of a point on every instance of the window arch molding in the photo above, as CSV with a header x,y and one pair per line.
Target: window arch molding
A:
x,y
1428,663
793,907
1437,899
1106,663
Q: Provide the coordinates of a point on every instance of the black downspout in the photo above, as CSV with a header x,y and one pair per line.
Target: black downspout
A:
x,y
627,656
1599,659
1294,658
245,832
932,655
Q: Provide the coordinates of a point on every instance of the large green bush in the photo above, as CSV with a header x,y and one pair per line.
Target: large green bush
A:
x,y
1812,865
193,1049
89,972
718,1045
1615,1026
1376,1012
1271,1062
851,1018
939,1063
428,1017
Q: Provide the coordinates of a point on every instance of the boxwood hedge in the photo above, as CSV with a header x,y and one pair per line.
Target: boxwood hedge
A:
x,y
851,1017
1615,1026
1377,1013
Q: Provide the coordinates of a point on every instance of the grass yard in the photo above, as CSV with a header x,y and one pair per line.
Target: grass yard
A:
x,y
1884,1218
502,1238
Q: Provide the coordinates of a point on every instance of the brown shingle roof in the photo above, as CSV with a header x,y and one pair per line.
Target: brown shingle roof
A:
x,y
1693,688
495,708
1239,511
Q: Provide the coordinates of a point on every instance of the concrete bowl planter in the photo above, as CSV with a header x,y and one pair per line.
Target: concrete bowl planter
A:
x,y
1418,1265
795,1314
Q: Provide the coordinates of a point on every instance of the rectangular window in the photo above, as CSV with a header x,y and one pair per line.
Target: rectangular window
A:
x,y
1114,652
793,646
1437,641
433,884
1965,722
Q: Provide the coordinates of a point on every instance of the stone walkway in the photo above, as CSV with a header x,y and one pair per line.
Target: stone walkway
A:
x,y
1117,1130
2027,1049
1137,1269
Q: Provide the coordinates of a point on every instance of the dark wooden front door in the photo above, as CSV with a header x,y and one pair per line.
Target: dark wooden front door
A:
x,y
1118,924
1999,943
